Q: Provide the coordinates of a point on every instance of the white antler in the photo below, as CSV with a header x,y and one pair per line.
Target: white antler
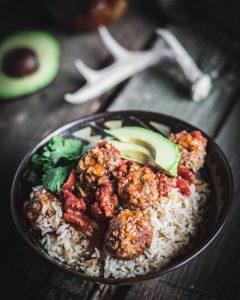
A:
x,y
199,82
129,63
117,51
89,74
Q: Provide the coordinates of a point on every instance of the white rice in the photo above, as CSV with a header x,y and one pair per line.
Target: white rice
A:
x,y
176,220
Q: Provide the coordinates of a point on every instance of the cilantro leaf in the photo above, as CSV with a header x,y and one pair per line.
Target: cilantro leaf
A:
x,y
60,148
68,148
56,160
55,177
38,160
41,162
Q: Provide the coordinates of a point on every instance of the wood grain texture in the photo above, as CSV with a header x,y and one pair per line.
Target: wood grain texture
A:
x,y
228,261
204,277
215,273
24,121
157,90
161,290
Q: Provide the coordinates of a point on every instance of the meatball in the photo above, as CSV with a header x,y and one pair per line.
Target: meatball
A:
x,y
192,148
138,187
130,233
41,202
97,165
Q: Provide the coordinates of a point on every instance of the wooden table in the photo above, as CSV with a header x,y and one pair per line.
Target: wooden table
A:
x,y
214,274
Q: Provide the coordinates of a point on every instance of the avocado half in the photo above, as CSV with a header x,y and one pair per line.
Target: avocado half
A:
x,y
47,51
164,153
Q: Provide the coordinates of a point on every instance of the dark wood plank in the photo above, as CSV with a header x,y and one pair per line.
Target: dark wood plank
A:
x,y
156,90
202,278
226,253
24,121
62,286
165,291
217,269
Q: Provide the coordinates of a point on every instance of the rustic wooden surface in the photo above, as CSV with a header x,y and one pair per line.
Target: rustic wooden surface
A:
x,y
212,275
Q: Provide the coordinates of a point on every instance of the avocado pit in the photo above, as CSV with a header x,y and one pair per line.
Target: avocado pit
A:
x,y
20,62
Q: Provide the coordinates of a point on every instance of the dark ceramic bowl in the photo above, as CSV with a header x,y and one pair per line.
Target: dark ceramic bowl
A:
x,y
217,169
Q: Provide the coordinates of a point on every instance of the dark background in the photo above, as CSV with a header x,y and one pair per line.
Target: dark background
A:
x,y
224,13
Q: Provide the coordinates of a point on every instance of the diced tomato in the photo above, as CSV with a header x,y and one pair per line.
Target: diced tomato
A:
x,y
71,181
183,186
198,135
165,184
82,221
106,198
69,196
72,202
97,213
103,144
79,204
186,174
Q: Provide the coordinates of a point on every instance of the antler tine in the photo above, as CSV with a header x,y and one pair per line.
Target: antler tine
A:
x,y
199,82
89,74
180,54
112,45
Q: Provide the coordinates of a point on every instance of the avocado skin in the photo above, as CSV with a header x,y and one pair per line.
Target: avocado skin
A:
x,y
47,49
164,152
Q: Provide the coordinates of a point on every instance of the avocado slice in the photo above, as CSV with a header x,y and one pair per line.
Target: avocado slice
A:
x,y
41,52
133,152
165,153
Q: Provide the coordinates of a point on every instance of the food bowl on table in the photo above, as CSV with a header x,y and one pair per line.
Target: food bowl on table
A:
x,y
158,220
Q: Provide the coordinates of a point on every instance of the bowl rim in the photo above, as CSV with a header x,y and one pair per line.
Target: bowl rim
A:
x,y
140,278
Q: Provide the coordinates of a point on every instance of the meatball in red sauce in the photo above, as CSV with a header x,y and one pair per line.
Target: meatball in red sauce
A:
x,y
33,207
137,188
130,233
192,147
97,165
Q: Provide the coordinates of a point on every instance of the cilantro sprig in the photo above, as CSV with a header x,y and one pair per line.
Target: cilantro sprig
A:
x,y
55,161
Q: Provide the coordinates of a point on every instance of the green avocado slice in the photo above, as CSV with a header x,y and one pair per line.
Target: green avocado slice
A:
x,y
165,154
47,50
133,152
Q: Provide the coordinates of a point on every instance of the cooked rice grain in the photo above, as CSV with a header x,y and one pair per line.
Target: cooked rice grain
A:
x,y
177,220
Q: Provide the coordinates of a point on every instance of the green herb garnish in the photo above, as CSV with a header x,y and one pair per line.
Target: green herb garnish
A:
x,y
55,177
56,160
